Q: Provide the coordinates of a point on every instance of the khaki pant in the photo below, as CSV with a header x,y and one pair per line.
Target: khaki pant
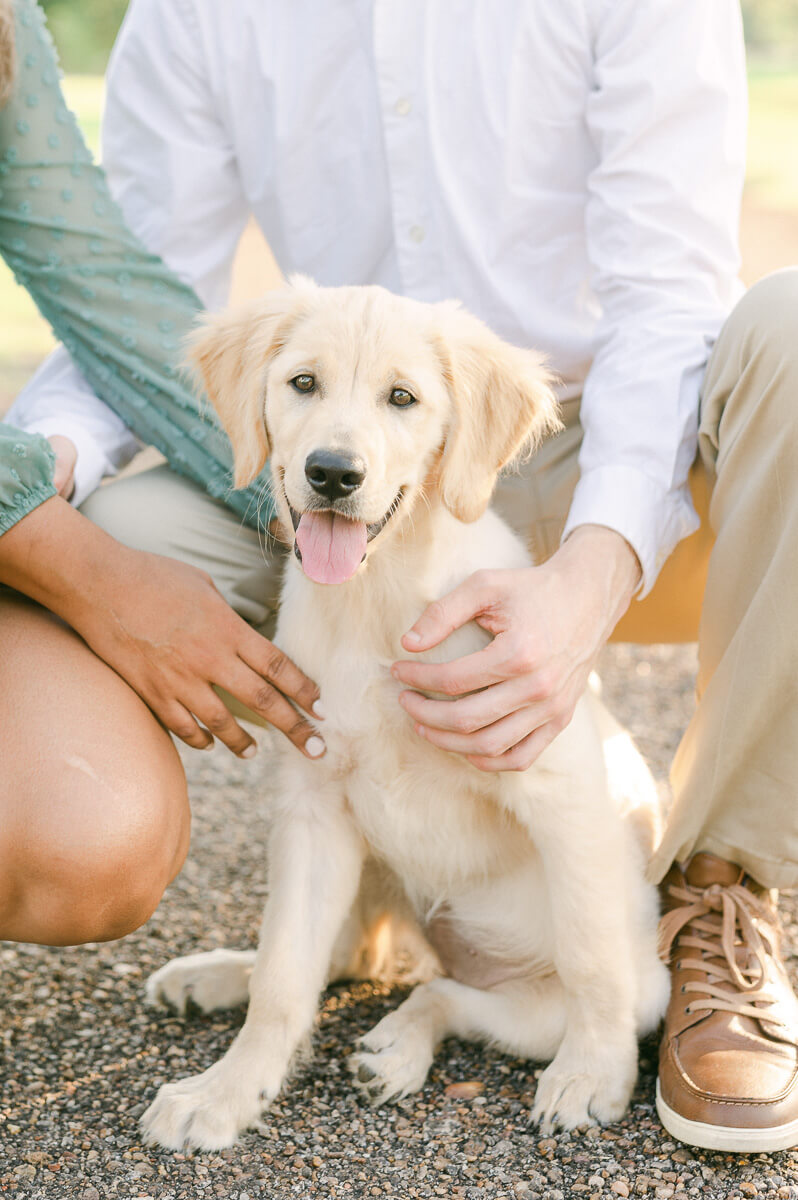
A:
x,y
733,585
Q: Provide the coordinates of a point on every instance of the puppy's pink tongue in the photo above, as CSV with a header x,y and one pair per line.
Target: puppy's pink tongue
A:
x,y
331,546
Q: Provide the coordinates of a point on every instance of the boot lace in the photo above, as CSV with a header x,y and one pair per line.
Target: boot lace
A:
x,y
732,932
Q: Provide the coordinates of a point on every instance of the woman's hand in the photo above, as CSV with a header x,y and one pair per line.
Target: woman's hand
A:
x,y
66,456
162,626
548,625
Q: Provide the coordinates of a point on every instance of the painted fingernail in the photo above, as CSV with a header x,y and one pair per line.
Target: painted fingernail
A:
x,y
314,746
250,751
318,709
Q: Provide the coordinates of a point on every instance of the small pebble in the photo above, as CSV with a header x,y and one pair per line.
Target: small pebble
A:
x,y
465,1090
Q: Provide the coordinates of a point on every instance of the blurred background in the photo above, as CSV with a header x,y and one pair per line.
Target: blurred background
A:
x,y
84,31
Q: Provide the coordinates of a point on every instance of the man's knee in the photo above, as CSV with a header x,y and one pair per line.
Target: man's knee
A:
x,y
141,511
752,378
762,325
160,512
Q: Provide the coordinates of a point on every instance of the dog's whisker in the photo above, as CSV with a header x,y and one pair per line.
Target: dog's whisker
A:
x,y
266,492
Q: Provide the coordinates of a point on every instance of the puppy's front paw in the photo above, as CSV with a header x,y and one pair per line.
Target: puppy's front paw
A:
x,y
202,1112
395,1060
210,981
581,1089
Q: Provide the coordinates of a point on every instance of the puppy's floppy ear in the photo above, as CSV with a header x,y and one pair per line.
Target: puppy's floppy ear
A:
x,y
231,351
502,405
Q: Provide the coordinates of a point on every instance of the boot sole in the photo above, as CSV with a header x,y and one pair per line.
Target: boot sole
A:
x,y
726,1137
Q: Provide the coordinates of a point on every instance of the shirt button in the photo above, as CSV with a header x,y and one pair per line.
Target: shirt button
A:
x,y
403,106
417,233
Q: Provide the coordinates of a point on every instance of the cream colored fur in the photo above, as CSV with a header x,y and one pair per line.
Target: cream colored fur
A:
x,y
541,870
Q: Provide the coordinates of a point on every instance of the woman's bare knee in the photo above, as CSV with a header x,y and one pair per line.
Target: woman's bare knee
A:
x,y
95,864
94,818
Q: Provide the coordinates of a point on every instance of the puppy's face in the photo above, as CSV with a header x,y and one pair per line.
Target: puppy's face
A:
x,y
357,408
366,402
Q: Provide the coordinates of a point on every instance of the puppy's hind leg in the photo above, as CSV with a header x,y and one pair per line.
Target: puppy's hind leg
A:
x,y
381,938
213,980
523,1017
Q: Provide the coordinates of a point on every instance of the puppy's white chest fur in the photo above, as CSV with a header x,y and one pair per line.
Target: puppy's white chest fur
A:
x,y
428,814
444,827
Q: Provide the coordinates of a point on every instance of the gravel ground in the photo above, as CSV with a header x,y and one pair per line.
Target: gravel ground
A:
x,y
83,1057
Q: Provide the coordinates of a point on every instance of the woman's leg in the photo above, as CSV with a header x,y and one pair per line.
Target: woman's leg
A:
x,y
94,818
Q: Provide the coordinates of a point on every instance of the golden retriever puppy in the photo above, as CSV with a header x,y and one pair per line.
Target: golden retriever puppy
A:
x,y
387,421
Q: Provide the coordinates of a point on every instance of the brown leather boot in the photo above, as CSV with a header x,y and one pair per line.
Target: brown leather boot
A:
x,y
728,1068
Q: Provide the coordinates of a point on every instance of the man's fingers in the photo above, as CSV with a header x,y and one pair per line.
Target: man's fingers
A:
x,y
478,670
265,658
272,705
521,756
470,713
443,616
491,742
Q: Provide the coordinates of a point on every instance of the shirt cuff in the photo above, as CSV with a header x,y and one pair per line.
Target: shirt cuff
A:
x,y
652,519
92,463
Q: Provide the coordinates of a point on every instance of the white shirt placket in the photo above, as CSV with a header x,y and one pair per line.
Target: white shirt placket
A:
x,y
399,51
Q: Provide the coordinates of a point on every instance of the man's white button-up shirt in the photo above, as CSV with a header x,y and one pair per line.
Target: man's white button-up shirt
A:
x,y
570,170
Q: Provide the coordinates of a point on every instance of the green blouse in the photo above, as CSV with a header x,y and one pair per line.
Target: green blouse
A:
x,y
118,309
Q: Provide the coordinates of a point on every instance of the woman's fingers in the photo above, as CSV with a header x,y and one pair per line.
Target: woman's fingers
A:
x,y
271,681
64,468
214,714
179,721
269,662
250,688
202,718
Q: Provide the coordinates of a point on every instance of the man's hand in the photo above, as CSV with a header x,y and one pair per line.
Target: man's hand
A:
x,y
66,456
549,624
162,626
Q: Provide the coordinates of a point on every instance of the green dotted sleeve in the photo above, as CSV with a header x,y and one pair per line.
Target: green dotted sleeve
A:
x,y
117,308
26,474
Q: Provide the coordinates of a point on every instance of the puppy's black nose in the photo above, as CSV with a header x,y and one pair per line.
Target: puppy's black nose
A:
x,y
334,475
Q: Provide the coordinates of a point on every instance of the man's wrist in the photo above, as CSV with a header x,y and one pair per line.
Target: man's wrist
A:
x,y
606,561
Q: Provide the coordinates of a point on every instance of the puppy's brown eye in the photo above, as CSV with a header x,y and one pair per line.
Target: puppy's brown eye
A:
x,y
304,383
401,398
